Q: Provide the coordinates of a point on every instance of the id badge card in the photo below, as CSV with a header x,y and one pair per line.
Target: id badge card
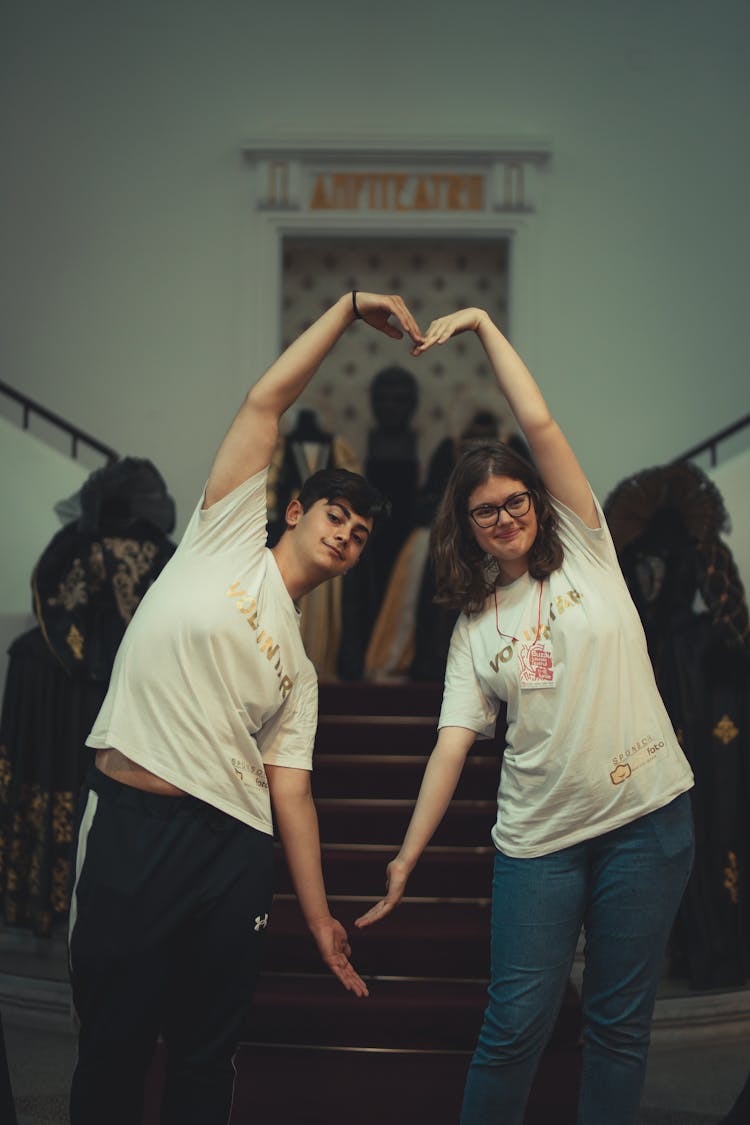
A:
x,y
536,668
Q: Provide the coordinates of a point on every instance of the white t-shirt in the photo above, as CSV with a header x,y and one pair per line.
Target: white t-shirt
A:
x,y
593,749
211,679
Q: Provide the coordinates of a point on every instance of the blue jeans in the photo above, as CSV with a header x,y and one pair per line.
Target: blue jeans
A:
x,y
624,889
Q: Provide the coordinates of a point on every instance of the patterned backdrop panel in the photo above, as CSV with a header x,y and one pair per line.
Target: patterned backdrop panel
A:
x,y
434,276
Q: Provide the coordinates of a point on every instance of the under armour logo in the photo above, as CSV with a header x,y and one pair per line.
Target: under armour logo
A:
x,y
261,921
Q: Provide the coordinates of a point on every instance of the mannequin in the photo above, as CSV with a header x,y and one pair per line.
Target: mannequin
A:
x,y
666,524
86,587
392,464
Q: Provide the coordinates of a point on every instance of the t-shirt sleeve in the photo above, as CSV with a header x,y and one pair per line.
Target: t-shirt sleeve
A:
x,y
234,524
287,738
465,703
593,542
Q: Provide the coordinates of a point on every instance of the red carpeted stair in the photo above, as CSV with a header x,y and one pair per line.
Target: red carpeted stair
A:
x,y
312,1052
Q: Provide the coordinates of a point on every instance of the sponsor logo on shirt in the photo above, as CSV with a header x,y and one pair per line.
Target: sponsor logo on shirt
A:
x,y
245,772
248,607
640,754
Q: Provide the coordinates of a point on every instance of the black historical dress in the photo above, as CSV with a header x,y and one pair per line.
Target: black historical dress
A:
x,y
666,523
86,587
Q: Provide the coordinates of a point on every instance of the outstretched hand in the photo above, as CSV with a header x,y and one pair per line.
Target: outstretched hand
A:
x,y
441,330
376,309
334,948
395,883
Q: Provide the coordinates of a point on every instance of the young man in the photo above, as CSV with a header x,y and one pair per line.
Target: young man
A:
x,y
209,722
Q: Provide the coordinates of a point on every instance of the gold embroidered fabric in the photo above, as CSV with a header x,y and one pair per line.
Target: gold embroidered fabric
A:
x,y
45,718
35,884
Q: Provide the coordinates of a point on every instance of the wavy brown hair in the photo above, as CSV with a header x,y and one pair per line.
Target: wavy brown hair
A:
x,y
461,577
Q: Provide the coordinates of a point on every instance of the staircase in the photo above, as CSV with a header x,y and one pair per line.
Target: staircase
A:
x,y
312,1052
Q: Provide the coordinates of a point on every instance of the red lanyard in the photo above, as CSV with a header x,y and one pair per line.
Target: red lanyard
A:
x,y
538,616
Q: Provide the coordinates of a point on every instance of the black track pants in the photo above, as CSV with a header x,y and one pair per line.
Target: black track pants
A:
x,y
7,1108
167,924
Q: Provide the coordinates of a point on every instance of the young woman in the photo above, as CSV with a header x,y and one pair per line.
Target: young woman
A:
x,y
593,824
208,724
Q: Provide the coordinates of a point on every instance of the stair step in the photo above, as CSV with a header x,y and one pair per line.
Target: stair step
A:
x,y
375,734
419,939
317,1011
398,1014
287,1085
382,733
446,872
358,1086
360,698
384,821
396,775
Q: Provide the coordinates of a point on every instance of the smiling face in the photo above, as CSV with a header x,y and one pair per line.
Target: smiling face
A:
x,y
512,537
330,536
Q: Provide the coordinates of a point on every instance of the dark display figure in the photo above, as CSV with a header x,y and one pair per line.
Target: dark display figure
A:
x,y
392,465
666,524
86,588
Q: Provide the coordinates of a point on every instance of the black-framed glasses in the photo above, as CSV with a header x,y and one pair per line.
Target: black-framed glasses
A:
x,y
487,515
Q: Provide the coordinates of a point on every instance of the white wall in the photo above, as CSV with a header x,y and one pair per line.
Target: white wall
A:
x,y
127,273
33,477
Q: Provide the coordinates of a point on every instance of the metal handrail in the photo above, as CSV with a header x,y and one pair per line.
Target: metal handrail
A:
x,y
710,444
75,433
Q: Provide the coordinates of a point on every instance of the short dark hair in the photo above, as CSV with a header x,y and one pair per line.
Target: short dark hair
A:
x,y
340,484
461,578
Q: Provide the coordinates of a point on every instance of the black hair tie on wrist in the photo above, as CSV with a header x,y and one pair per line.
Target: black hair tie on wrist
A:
x,y
357,313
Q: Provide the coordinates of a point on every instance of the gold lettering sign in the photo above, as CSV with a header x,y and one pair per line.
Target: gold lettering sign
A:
x,y
397,191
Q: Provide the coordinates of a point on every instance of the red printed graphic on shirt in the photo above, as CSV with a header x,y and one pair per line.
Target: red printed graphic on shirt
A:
x,y
535,664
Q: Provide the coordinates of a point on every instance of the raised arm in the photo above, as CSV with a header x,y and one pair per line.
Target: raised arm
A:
x,y
555,460
435,794
250,440
297,822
